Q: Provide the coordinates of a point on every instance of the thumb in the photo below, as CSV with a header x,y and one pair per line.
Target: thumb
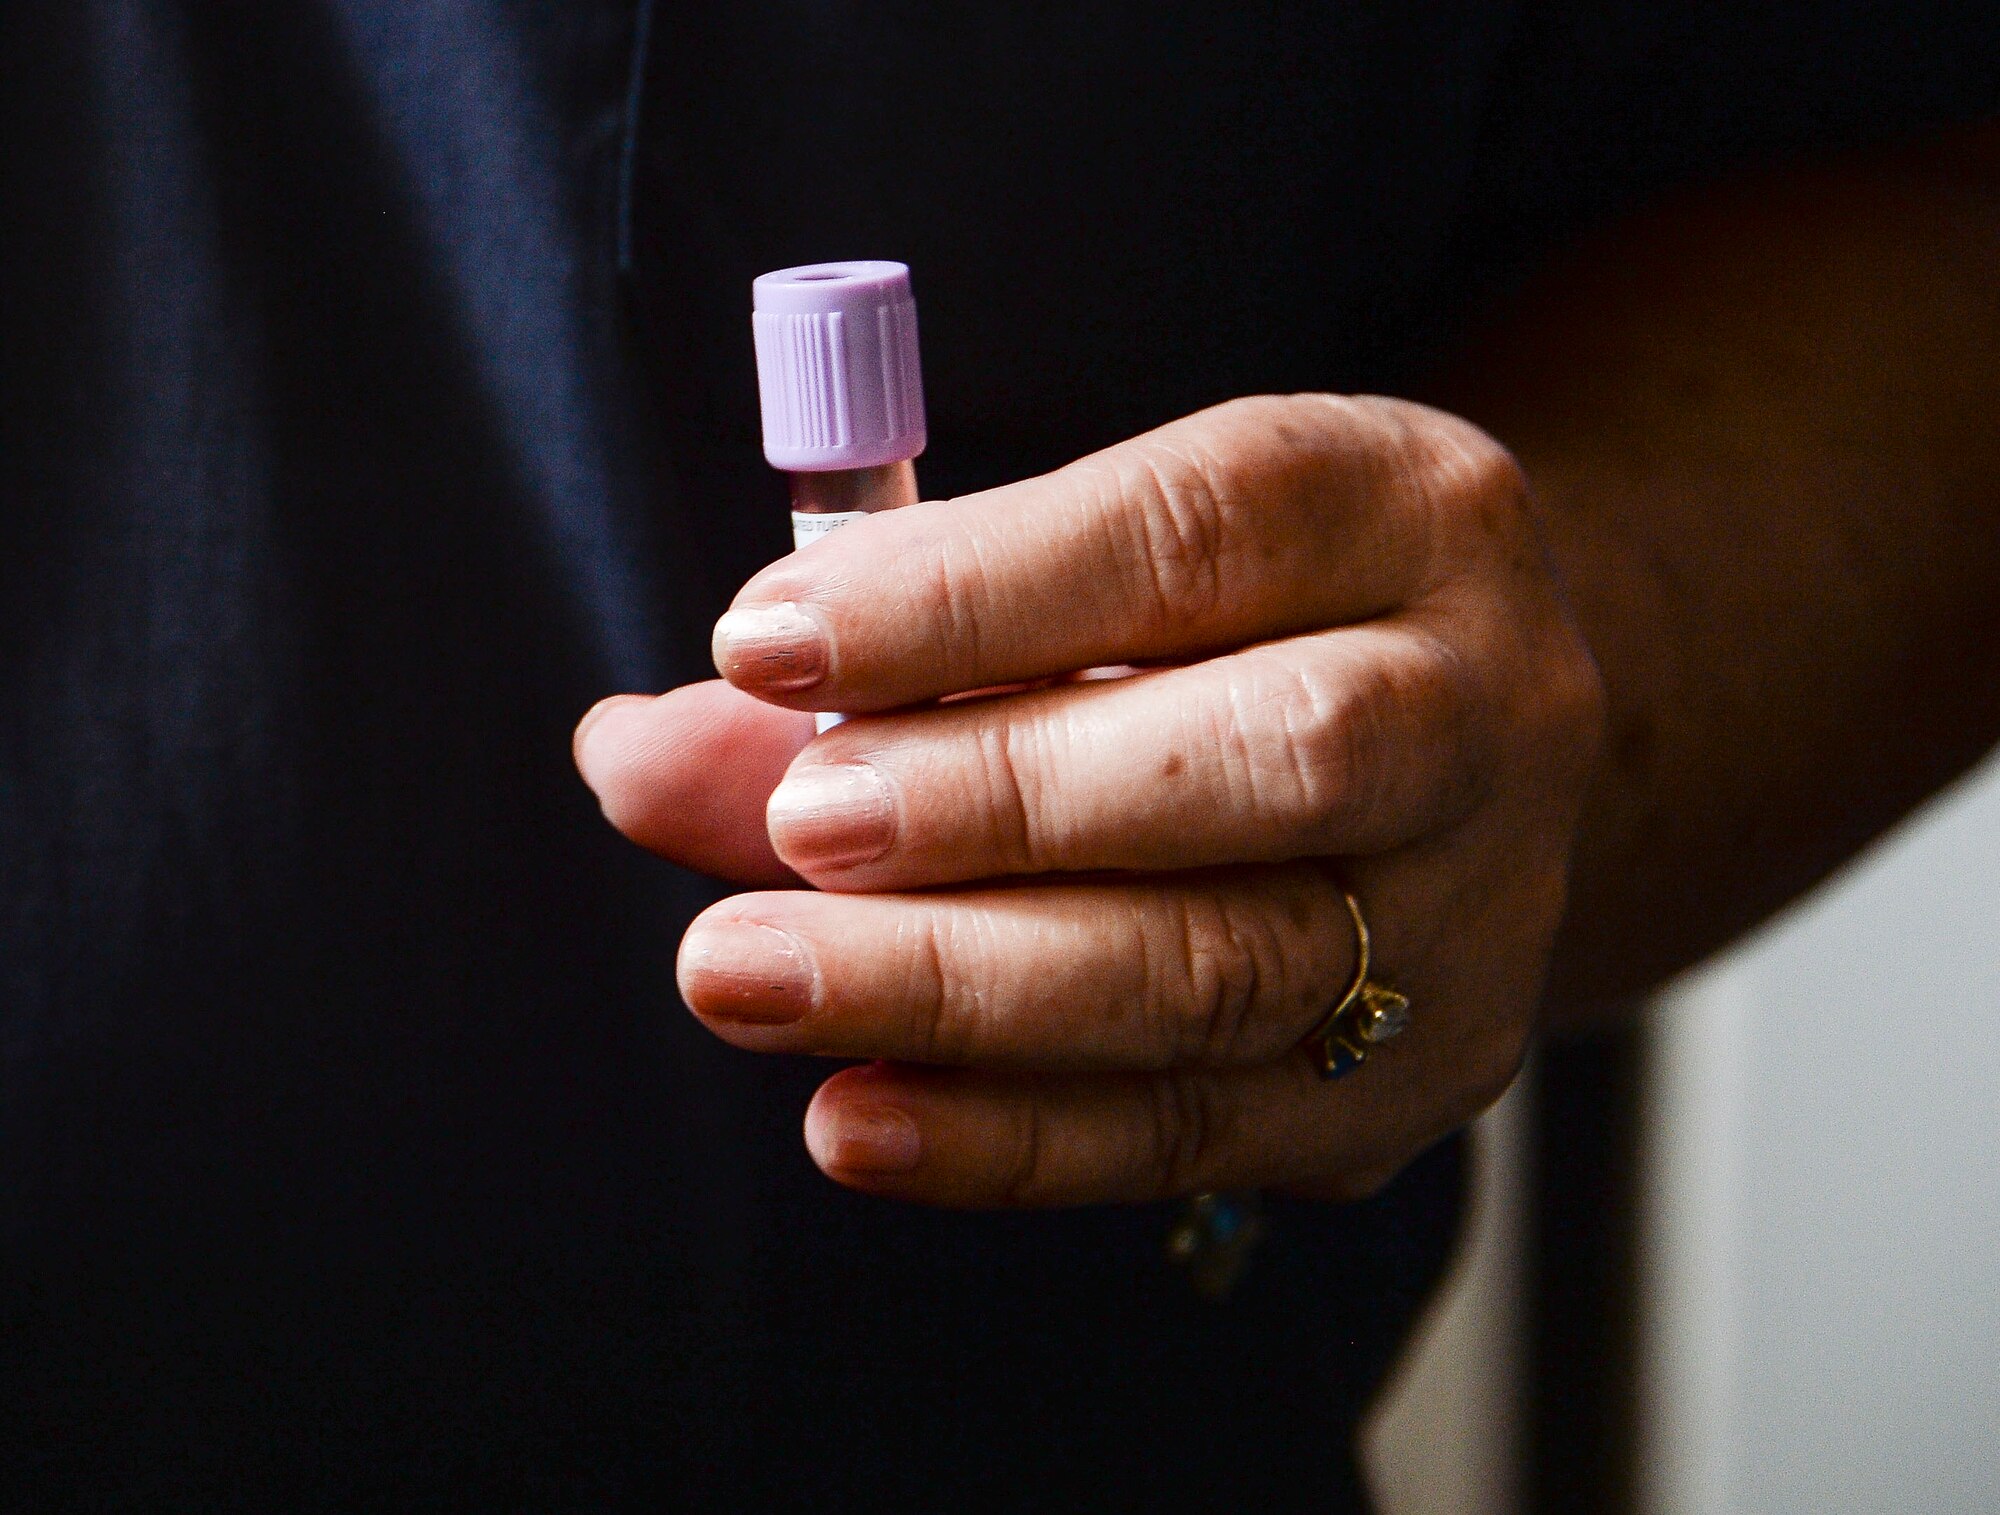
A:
x,y
687,775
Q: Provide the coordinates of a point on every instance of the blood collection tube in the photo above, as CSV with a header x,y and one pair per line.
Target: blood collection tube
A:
x,y
842,391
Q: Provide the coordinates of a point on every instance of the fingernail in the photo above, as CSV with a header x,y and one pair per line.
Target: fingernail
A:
x,y
832,816
770,647
869,1139
743,971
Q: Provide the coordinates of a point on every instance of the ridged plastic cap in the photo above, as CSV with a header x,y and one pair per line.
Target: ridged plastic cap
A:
x,y
837,366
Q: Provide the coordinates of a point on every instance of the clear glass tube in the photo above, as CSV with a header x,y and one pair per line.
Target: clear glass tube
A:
x,y
854,491
825,502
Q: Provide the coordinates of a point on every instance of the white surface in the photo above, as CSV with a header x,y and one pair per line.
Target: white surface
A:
x,y
1445,1438
1823,1259
1689,1297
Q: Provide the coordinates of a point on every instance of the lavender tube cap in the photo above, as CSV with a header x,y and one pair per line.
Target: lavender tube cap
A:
x,y
837,366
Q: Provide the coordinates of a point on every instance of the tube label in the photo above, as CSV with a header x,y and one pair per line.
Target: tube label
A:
x,y
808,529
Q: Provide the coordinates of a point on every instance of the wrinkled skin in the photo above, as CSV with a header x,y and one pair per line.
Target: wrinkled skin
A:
x,y
1076,928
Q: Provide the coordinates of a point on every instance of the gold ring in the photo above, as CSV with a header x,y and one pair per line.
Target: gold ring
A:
x,y
1364,1017
1217,1232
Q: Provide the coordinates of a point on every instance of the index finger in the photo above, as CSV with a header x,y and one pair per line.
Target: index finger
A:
x,y
1255,519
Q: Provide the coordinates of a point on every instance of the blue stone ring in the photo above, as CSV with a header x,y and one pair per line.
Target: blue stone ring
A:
x,y
1364,1017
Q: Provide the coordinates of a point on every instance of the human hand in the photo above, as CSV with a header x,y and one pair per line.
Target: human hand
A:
x,y
1084,924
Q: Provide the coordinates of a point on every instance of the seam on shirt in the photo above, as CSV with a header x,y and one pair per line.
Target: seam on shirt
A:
x,y
628,154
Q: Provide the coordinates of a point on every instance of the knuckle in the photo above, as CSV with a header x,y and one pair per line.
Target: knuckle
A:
x,y
1360,753
952,592
1250,970
1268,738
1453,459
1181,537
1471,489
1185,1132
1471,465
1365,752
1338,735
1024,1181
1226,965
1009,755
940,1025
1322,764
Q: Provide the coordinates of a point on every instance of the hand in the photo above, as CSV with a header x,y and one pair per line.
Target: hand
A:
x,y
1084,923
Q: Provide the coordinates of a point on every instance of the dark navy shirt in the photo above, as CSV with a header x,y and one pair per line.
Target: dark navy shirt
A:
x,y
375,394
